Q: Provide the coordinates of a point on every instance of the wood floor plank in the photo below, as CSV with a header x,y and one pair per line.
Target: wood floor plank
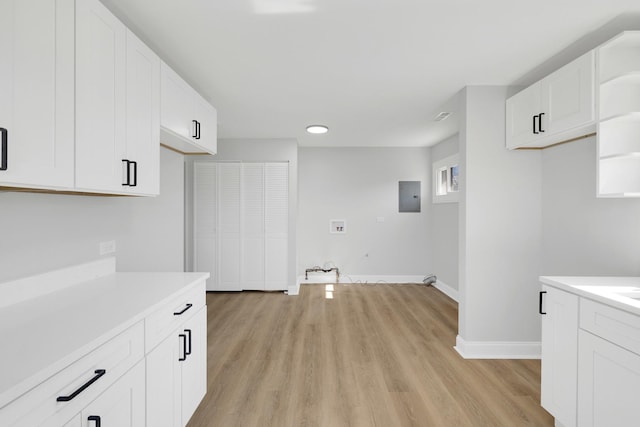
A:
x,y
373,355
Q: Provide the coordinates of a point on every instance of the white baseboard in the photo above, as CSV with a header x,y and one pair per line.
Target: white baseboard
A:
x,y
447,290
361,279
498,349
295,289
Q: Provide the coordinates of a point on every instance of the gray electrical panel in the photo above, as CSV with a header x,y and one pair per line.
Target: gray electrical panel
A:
x,y
409,200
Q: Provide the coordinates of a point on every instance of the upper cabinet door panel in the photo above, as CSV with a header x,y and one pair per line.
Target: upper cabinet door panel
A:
x,y
520,116
569,95
36,82
177,104
100,97
207,117
143,114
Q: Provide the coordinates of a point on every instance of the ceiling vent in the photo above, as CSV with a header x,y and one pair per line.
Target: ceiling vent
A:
x,y
441,116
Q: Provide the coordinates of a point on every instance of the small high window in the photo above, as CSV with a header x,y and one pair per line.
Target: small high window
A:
x,y
446,180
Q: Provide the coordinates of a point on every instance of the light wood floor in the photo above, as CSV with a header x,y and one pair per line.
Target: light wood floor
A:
x,y
374,355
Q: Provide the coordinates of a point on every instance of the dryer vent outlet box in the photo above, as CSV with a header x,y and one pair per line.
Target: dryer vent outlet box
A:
x,y
409,200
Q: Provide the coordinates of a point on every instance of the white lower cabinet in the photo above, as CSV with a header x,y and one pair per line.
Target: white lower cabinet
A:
x,y
559,311
177,374
137,378
609,384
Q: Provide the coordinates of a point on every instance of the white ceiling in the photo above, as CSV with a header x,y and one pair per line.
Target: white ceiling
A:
x,y
374,71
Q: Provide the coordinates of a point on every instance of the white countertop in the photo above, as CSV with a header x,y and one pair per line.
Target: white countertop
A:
x,y
42,335
606,290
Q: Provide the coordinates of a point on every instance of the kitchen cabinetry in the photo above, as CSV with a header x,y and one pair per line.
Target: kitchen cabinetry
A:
x,y
241,224
619,121
609,366
117,96
37,86
597,385
559,312
177,372
189,122
105,366
559,107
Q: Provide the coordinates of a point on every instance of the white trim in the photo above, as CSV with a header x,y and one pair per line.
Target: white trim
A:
x,y
42,284
295,289
498,349
361,279
447,290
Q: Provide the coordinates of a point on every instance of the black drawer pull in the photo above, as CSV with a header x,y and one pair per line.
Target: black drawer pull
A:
x,y
178,313
135,174
95,418
534,125
3,159
184,348
540,303
187,350
540,122
194,134
98,373
127,180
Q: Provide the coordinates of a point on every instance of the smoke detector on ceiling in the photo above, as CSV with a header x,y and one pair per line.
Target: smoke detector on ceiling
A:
x,y
441,116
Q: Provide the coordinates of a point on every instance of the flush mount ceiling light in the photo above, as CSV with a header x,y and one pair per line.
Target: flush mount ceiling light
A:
x,y
441,116
317,129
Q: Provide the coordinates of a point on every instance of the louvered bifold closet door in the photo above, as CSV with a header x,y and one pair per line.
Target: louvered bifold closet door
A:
x,y
205,219
276,225
229,243
252,226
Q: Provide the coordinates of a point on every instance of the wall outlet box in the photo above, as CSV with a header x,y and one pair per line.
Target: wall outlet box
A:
x,y
337,226
107,247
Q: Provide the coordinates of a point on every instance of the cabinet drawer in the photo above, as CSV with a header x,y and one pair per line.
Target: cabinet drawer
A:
x,y
616,326
162,322
78,384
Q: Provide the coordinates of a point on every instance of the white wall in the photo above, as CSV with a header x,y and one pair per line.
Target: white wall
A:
x,y
584,235
444,225
359,185
42,232
500,229
252,150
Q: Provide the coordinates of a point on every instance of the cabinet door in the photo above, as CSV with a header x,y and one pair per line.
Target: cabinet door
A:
x,y
37,85
164,384
122,404
194,367
207,117
177,104
559,355
100,97
609,383
568,95
143,115
521,110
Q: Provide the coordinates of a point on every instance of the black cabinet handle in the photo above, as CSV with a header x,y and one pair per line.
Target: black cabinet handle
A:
x,y
188,346
128,174
540,122
98,373
178,313
135,174
184,348
540,303
195,129
95,418
534,125
5,142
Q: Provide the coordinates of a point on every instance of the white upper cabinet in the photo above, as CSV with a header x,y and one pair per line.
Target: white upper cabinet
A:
x,y
143,117
117,113
619,119
100,97
557,108
189,122
37,86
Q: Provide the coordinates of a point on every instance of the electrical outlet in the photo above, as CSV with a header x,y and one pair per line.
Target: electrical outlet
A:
x,y
107,247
